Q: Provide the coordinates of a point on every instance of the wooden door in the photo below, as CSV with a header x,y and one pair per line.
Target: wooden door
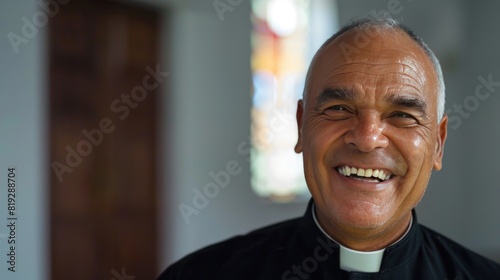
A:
x,y
104,82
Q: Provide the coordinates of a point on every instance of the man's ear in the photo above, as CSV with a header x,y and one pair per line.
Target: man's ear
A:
x,y
300,114
441,138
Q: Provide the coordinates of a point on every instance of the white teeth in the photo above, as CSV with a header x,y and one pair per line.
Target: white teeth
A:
x,y
381,175
377,173
347,171
368,172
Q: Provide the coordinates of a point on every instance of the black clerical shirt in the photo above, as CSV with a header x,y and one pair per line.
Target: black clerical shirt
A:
x,y
297,249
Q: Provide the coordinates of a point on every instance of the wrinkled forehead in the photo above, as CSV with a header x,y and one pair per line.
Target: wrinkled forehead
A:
x,y
378,52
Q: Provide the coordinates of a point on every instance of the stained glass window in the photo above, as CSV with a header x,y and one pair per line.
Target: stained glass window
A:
x,y
279,63
284,38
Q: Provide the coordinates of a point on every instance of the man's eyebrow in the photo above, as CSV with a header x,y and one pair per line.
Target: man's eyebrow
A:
x,y
330,94
409,102
397,100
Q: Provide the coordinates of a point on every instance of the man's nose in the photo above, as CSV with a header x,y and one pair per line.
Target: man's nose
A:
x,y
367,134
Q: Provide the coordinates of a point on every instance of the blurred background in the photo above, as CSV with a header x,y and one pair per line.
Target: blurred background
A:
x,y
143,130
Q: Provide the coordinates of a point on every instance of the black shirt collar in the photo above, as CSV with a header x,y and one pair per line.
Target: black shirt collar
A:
x,y
395,255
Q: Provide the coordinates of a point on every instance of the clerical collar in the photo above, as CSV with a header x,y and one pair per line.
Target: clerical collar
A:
x,y
359,261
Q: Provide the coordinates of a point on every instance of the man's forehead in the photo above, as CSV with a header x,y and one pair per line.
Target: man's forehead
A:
x,y
383,52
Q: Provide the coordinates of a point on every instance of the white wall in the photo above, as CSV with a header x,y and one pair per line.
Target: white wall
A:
x,y
23,143
479,134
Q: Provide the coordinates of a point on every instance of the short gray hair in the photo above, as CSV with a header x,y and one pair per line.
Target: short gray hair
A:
x,y
385,22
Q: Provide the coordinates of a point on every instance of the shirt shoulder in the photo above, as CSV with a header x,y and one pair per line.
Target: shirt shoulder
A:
x,y
458,259
240,253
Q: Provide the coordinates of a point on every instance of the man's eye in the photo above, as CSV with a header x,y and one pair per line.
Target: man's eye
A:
x,y
403,115
337,108
338,112
402,119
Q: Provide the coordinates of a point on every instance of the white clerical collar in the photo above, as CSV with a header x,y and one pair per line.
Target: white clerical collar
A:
x,y
359,261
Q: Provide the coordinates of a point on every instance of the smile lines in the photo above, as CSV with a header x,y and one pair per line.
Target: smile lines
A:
x,y
367,173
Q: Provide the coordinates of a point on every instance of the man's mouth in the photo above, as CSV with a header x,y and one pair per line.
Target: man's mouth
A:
x,y
369,175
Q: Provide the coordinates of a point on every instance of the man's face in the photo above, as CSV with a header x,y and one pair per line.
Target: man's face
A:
x,y
373,111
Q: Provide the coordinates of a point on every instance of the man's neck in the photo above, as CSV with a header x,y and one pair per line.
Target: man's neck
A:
x,y
366,239
352,259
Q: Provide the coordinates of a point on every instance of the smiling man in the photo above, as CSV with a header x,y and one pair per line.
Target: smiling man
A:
x,y
371,131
